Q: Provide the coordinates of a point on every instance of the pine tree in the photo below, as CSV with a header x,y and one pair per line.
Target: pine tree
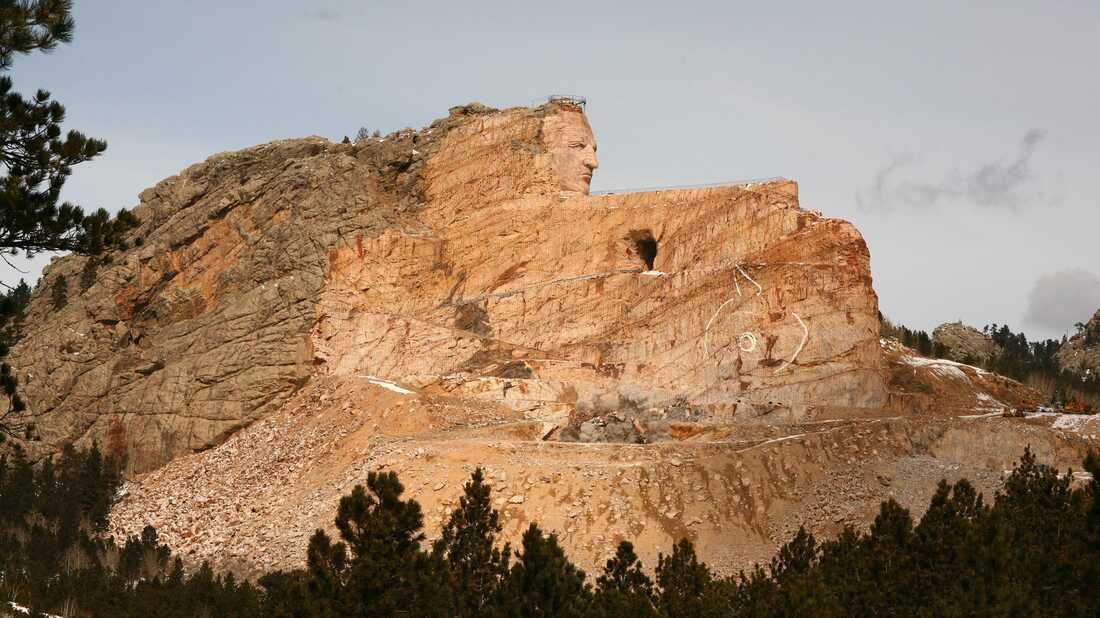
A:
x,y
543,582
59,292
37,160
683,582
88,273
467,545
624,589
386,571
947,550
33,152
327,565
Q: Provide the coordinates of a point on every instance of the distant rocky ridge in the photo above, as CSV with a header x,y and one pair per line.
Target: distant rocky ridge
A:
x,y
964,343
1081,354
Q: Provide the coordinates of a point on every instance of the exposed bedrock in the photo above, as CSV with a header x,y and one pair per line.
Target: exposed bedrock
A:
x,y
445,253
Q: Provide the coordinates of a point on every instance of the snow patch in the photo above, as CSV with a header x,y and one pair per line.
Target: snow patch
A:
x,y
386,384
653,273
26,610
988,402
938,366
1070,422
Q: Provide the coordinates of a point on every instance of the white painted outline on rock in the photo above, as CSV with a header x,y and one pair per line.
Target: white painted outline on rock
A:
x,y
737,286
750,338
706,329
798,350
759,290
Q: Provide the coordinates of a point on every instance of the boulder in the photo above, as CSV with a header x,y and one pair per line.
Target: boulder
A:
x,y
1081,353
965,344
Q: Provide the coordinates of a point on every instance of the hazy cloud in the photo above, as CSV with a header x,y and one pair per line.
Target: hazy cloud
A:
x,y
996,184
321,14
1059,300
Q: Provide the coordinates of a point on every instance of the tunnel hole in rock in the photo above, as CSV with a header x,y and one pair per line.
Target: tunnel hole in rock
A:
x,y
645,246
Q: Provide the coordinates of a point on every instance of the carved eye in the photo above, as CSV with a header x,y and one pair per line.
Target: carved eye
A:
x,y
577,145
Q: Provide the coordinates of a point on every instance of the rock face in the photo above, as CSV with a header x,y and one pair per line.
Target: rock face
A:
x,y
965,344
1081,354
204,327
650,365
446,256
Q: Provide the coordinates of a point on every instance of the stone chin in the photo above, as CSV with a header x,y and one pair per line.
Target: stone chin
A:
x,y
568,138
576,184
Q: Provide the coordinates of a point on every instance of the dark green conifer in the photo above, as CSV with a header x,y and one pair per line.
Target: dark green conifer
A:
x,y
623,589
468,546
543,582
386,571
88,273
37,160
683,582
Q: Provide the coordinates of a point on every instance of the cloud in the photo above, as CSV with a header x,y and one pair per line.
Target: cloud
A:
x,y
1059,300
997,184
322,14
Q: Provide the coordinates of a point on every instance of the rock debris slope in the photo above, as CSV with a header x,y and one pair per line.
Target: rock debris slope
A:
x,y
642,365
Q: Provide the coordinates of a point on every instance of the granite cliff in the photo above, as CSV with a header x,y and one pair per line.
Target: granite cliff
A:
x,y
641,365
1081,354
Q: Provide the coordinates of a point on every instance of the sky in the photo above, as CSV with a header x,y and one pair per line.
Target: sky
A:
x,y
962,139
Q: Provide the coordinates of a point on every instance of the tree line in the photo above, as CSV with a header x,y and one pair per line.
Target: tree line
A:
x,y
1034,550
1030,362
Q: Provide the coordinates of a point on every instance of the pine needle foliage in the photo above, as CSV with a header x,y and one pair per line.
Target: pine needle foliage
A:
x,y
468,546
36,157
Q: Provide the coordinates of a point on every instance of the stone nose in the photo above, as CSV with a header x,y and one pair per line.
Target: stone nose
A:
x,y
590,160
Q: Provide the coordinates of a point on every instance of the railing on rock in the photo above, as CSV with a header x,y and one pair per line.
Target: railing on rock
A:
x,y
708,185
569,99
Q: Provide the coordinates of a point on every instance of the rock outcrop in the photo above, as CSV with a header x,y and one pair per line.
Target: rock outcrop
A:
x,y
447,256
644,365
1081,353
204,327
965,344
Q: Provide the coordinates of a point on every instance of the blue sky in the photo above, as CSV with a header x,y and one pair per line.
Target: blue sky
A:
x,y
961,138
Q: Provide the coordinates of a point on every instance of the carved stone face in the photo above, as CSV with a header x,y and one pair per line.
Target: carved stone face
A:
x,y
569,139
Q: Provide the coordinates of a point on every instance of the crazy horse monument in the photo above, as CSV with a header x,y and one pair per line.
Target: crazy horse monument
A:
x,y
641,365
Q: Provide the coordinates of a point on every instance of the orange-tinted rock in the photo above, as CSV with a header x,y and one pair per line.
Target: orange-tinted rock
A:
x,y
262,268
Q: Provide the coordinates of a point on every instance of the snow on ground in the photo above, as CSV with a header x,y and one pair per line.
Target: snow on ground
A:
x,y
386,384
26,610
1071,422
988,402
938,366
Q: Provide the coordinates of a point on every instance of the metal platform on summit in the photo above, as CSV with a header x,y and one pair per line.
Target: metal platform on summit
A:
x,y
570,99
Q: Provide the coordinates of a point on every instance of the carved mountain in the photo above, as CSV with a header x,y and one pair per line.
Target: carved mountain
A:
x,y
642,365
